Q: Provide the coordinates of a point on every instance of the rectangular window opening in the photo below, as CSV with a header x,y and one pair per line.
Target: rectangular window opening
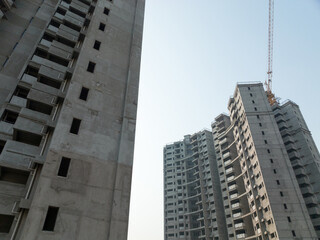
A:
x,y
9,116
51,219
91,67
106,11
64,167
5,223
102,26
14,175
75,126
96,45
293,233
84,93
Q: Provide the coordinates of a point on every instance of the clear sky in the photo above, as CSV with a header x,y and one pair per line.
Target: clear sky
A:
x,y
194,53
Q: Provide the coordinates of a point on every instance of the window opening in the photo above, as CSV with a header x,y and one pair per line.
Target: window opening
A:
x,y
75,126
84,93
51,219
91,67
64,167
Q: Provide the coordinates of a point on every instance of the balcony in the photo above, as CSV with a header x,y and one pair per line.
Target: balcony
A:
x,y
224,140
227,162
280,119
306,190
288,139
236,215
230,178
314,211
49,64
302,180
239,225
291,147
310,200
18,101
18,153
235,195
224,156
293,155
282,126
235,205
300,172
28,79
296,164
229,170
241,236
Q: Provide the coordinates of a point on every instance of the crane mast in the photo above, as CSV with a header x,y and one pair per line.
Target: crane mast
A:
x,y
268,82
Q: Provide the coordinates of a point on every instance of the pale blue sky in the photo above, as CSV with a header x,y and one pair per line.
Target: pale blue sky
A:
x,y
194,53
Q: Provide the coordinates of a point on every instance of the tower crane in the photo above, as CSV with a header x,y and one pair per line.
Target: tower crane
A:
x,y
268,83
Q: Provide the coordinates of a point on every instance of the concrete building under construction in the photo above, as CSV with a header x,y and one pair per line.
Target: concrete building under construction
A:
x,y
267,171
69,76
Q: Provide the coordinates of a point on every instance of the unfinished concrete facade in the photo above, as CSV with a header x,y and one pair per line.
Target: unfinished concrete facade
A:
x,y
192,200
303,154
260,184
69,87
265,174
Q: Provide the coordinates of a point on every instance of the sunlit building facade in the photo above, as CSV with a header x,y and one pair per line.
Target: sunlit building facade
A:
x,y
266,167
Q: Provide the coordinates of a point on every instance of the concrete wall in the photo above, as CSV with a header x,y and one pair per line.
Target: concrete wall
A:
x,y
304,156
49,66
192,198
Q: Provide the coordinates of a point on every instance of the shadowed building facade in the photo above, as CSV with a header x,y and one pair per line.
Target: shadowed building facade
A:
x,y
69,75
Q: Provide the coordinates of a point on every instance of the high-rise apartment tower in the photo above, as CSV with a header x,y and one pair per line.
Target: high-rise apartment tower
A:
x,y
192,199
266,167
69,76
258,173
